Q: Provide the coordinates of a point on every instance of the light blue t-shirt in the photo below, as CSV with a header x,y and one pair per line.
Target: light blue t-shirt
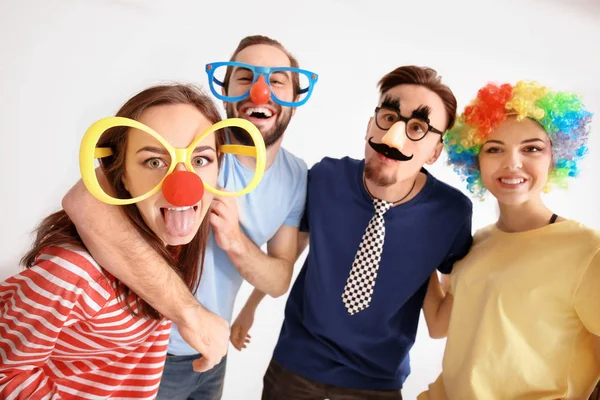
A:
x,y
278,200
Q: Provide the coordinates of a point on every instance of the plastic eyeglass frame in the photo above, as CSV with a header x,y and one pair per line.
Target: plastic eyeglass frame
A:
x,y
405,120
88,152
258,71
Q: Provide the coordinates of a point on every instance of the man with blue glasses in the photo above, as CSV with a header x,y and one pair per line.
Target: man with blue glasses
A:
x,y
262,84
265,95
256,86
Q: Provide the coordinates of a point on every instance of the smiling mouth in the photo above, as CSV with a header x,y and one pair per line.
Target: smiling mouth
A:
x,y
261,113
512,181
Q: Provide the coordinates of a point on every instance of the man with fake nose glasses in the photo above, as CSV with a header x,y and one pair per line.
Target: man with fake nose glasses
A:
x,y
378,229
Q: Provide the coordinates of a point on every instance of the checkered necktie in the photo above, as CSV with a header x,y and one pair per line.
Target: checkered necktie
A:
x,y
359,288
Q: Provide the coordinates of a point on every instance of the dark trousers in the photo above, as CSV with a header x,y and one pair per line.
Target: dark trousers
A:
x,y
281,384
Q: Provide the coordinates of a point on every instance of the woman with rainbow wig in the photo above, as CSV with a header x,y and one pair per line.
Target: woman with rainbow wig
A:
x,y
525,301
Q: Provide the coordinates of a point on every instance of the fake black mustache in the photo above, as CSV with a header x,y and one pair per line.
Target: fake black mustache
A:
x,y
388,151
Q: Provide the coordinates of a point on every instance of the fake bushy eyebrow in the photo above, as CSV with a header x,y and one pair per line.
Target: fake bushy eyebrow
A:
x,y
422,112
391,103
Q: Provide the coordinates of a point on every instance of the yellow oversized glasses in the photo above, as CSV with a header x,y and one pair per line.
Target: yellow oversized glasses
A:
x,y
89,153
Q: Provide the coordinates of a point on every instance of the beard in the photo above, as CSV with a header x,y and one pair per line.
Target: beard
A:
x,y
378,176
270,137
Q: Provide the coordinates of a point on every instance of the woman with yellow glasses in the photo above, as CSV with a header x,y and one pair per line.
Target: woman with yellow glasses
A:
x,y
68,328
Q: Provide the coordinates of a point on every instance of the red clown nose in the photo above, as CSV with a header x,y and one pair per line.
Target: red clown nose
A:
x,y
183,188
260,91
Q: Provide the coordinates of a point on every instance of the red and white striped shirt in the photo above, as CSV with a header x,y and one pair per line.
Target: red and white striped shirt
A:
x,y
65,335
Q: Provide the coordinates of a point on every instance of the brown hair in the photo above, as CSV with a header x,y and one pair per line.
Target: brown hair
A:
x,y
423,76
57,229
259,39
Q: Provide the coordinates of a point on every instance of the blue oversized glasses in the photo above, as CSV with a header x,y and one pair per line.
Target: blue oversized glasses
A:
x,y
261,83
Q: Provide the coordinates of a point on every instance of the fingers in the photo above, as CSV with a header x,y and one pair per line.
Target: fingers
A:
x,y
224,209
244,341
239,339
203,364
235,343
234,336
218,207
225,202
216,221
224,219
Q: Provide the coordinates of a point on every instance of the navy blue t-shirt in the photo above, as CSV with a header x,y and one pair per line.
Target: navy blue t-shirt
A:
x,y
369,350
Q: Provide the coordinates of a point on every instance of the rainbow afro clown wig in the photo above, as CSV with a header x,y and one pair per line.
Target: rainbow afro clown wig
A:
x,y
562,115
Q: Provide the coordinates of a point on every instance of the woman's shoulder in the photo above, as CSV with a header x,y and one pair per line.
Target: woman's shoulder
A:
x,y
74,262
69,253
572,229
484,232
579,232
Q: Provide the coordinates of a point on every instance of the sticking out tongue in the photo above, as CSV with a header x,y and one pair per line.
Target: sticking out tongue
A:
x,y
179,223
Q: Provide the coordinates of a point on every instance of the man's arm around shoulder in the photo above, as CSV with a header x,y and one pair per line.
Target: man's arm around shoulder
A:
x,y
118,248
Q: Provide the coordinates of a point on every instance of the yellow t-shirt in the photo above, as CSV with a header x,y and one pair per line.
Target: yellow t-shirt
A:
x,y
526,309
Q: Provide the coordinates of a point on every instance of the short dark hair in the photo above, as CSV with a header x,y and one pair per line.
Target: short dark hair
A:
x,y
260,39
423,76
